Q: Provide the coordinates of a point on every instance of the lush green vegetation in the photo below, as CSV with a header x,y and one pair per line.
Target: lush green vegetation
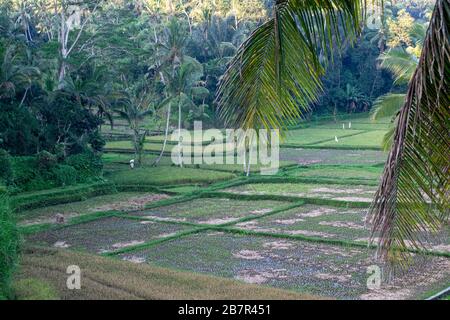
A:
x,y
92,91
167,176
9,245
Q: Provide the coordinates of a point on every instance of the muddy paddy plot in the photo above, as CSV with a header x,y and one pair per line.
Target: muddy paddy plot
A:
x,y
313,221
123,201
212,211
326,270
353,193
304,156
105,235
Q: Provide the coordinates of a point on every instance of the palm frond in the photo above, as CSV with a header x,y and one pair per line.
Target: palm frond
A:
x,y
387,105
388,138
413,197
400,63
276,72
418,33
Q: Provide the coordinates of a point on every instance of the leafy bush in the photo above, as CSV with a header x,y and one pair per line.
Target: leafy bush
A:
x,y
46,161
25,171
88,165
6,173
44,172
65,175
9,245
97,141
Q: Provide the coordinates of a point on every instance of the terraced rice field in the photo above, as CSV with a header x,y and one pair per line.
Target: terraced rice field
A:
x,y
304,229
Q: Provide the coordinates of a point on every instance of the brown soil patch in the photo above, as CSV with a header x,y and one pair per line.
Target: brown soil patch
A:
x,y
333,277
248,255
166,219
279,245
134,259
441,248
354,199
342,224
61,244
258,277
253,226
261,211
166,235
134,203
333,190
289,221
121,245
219,220
316,213
311,233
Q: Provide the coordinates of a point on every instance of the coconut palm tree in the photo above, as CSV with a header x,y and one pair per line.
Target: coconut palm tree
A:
x,y
14,74
183,85
134,105
276,75
168,58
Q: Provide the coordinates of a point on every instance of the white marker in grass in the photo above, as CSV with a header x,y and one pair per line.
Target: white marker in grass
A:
x,y
343,126
349,125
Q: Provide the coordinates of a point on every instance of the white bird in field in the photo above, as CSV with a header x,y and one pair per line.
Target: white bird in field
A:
x,y
343,126
336,139
349,125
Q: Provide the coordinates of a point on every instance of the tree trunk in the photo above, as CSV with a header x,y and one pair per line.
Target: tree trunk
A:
x,y
137,150
156,162
180,161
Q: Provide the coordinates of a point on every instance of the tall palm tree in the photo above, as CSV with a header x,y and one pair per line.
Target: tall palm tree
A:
x,y
182,86
134,106
14,74
169,57
92,92
275,76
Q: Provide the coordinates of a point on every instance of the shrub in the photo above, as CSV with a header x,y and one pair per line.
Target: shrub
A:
x,y
65,175
9,245
24,171
46,161
88,165
6,173
97,141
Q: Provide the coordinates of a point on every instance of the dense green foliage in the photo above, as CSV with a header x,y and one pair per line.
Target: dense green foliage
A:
x,y
145,62
9,245
151,66
43,171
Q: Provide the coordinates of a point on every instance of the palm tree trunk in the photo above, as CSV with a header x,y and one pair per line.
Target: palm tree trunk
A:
x,y
247,173
166,135
180,161
136,146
